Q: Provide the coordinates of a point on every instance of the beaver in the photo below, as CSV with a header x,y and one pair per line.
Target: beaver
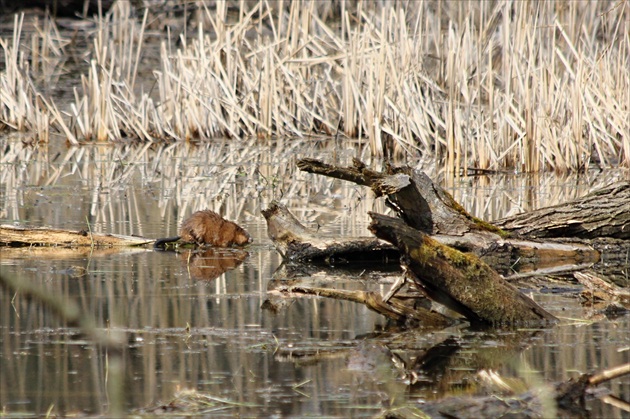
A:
x,y
209,228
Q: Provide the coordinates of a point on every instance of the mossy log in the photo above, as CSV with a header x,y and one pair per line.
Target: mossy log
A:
x,y
295,242
42,236
466,233
430,234
461,282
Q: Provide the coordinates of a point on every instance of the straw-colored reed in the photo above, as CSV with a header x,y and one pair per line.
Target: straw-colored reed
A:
x,y
523,85
22,108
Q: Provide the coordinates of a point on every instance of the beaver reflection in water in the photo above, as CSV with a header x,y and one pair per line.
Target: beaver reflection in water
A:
x,y
209,228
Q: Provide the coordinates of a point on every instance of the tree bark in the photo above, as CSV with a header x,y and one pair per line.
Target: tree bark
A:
x,y
418,201
430,232
427,207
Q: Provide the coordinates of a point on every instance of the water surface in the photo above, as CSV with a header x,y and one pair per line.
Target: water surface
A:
x,y
187,327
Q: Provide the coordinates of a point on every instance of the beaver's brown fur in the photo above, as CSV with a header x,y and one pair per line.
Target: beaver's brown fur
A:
x,y
208,227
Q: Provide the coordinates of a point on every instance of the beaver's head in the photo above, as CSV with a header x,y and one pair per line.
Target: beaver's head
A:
x,y
241,237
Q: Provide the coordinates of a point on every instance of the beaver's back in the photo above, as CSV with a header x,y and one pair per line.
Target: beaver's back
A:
x,y
208,227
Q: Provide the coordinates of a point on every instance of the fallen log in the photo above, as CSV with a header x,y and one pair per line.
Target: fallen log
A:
x,y
431,230
461,282
602,213
296,242
458,281
42,236
427,207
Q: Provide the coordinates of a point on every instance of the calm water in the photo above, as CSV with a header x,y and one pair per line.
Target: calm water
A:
x,y
187,326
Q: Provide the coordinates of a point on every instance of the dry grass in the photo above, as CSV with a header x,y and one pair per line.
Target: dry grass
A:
x,y
21,107
526,85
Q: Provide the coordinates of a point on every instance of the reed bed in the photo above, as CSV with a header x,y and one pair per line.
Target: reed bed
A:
x,y
22,108
528,86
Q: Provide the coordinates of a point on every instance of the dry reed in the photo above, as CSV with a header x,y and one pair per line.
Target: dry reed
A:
x,y
21,106
523,85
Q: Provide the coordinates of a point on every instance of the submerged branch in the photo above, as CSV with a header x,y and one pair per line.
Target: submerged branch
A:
x,y
392,309
572,391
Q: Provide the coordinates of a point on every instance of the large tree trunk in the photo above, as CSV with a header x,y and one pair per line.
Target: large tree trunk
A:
x,y
298,243
603,213
427,207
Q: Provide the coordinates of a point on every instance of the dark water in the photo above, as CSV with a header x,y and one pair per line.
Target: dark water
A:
x,y
187,326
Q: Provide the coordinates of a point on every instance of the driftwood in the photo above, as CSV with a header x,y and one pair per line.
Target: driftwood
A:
x,y
409,306
431,230
395,308
41,236
295,242
427,207
419,202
